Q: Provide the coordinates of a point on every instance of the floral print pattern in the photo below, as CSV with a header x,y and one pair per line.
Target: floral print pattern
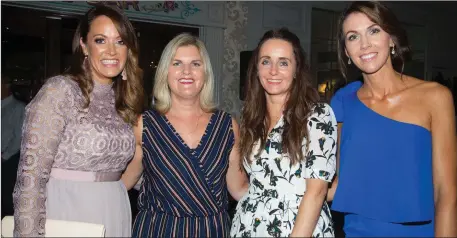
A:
x,y
270,206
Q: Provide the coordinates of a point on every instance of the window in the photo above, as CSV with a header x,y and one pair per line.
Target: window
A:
x,y
39,46
324,57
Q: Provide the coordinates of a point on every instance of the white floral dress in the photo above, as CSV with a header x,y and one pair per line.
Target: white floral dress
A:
x,y
270,206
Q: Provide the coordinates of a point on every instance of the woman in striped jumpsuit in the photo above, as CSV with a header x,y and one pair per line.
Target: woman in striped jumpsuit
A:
x,y
186,149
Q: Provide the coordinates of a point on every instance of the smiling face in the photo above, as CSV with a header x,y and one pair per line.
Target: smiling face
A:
x,y
367,44
106,51
276,67
186,73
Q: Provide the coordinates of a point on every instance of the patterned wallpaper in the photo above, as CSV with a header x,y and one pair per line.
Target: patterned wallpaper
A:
x,y
235,41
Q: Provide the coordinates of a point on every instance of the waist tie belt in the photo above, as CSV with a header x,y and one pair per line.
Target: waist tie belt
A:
x,y
85,176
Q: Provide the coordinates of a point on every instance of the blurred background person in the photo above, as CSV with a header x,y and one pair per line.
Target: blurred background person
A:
x,y
13,111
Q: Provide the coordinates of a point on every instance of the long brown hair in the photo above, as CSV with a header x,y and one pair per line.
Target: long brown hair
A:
x,y
387,20
129,93
302,97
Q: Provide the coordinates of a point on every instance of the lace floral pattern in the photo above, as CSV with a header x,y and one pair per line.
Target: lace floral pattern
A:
x,y
59,133
270,207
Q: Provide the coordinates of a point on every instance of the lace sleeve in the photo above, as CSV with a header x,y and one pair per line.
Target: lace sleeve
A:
x,y
44,123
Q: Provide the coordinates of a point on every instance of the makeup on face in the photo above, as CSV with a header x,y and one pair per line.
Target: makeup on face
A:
x,y
367,44
105,49
276,66
186,73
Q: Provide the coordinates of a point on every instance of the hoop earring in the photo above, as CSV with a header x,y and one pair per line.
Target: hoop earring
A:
x,y
349,60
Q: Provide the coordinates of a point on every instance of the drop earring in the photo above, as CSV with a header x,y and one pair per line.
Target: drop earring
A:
x,y
393,50
85,60
124,75
349,60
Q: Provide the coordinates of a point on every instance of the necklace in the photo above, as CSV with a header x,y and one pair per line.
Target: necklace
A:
x,y
196,126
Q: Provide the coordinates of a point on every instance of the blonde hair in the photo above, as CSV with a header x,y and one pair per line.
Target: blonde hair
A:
x,y
161,90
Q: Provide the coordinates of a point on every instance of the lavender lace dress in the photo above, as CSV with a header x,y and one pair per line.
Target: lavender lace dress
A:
x,y
71,161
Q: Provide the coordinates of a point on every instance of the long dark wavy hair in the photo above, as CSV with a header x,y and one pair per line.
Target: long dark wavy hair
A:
x,y
302,97
387,20
129,93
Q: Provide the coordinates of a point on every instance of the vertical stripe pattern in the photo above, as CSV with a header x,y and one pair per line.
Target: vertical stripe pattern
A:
x,y
184,193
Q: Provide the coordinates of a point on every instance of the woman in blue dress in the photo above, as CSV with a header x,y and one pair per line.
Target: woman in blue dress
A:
x,y
397,168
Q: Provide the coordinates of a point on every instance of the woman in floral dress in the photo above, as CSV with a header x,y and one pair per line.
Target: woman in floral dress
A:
x,y
288,145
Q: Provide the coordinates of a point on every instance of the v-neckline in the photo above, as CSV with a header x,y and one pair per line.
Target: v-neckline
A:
x,y
183,143
278,124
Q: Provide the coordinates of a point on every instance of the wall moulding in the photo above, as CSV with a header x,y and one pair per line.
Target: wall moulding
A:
x,y
184,12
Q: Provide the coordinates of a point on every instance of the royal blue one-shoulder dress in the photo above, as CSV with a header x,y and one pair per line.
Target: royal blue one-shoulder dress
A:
x,y
385,177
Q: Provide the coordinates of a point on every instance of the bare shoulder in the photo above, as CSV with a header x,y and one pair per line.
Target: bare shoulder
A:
x,y
139,122
235,126
433,94
415,83
438,94
429,90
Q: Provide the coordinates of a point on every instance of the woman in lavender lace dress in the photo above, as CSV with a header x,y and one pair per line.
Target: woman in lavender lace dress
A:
x,y
78,133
